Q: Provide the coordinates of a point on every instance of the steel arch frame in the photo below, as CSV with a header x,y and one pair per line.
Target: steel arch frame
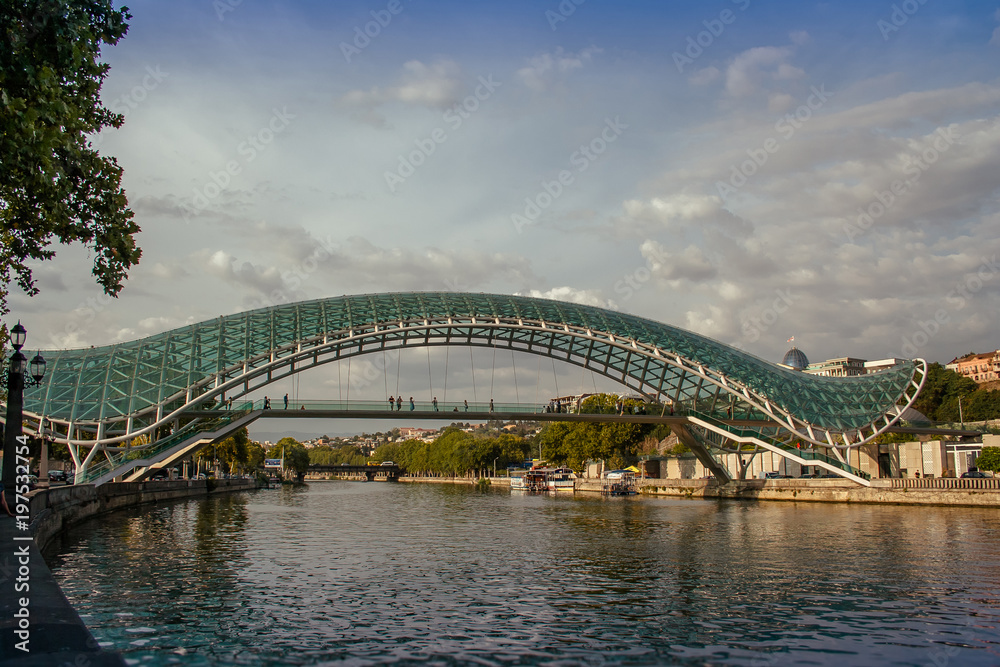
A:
x,y
604,352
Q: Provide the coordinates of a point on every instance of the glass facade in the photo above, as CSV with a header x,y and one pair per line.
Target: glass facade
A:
x,y
144,379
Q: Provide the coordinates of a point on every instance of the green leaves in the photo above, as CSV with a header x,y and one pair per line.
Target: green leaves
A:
x,y
53,186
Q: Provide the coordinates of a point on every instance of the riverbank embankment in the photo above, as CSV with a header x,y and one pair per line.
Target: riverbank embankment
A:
x,y
819,490
38,625
918,492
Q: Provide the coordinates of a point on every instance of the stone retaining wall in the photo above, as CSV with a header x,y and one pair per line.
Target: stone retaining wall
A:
x,y
818,490
56,509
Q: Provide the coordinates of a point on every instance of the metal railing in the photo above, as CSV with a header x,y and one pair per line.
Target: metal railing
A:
x,y
116,460
444,407
939,483
808,454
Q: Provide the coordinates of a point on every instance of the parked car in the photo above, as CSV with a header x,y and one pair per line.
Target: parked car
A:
x,y
976,474
388,463
58,476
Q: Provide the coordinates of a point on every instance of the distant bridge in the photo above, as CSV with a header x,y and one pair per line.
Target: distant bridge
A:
x,y
388,472
160,389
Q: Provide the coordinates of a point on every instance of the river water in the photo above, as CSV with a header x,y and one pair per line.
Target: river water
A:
x,y
373,573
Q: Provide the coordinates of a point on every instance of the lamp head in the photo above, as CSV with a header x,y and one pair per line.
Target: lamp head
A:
x,y
18,362
38,367
17,335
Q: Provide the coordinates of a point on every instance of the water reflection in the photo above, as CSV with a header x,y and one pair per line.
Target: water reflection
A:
x,y
375,573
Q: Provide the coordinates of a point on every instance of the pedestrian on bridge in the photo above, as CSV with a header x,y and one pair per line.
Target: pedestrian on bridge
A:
x,y
392,404
399,403
491,405
267,403
412,406
435,402
466,405
286,401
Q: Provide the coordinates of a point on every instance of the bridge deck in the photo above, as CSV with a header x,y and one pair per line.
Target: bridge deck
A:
x,y
423,413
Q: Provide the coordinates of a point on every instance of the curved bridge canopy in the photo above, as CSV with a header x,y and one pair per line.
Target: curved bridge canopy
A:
x,y
121,390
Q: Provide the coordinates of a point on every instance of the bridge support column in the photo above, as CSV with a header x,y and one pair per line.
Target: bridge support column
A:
x,y
687,436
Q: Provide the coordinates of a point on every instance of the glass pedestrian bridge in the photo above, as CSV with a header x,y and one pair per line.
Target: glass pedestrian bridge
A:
x,y
148,391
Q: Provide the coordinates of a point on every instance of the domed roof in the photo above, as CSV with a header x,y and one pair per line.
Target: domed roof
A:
x,y
795,358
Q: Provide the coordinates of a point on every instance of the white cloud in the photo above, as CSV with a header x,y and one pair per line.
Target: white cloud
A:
x,y
799,37
677,212
433,86
544,69
690,264
705,76
573,295
749,69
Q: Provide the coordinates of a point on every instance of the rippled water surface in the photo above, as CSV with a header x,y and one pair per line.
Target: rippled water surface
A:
x,y
372,573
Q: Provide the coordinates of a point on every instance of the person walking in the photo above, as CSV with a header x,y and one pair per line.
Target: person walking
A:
x,y
392,404
466,405
412,406
267,403
435,402
491,405
399,403
286,401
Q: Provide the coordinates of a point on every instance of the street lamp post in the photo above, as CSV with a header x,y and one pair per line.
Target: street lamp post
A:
x,y
16,382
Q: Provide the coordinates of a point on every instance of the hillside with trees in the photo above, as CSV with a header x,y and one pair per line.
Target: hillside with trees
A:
x,y
938,399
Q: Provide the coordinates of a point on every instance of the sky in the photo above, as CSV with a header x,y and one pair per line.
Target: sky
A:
x,y
748,170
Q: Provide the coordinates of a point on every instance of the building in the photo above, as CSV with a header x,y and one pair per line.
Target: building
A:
x,y
423,434
839,367
978,367
795,358
881,364
842,367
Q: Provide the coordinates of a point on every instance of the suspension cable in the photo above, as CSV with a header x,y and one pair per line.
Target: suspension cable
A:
x,y
430,378
385,373
517,395
472,361
349,379
447,350
538,379
494,372
555,378
399,357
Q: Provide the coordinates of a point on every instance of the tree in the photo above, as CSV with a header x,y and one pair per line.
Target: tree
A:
x,y
296,455
989,459
53,183
941,391
234,451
